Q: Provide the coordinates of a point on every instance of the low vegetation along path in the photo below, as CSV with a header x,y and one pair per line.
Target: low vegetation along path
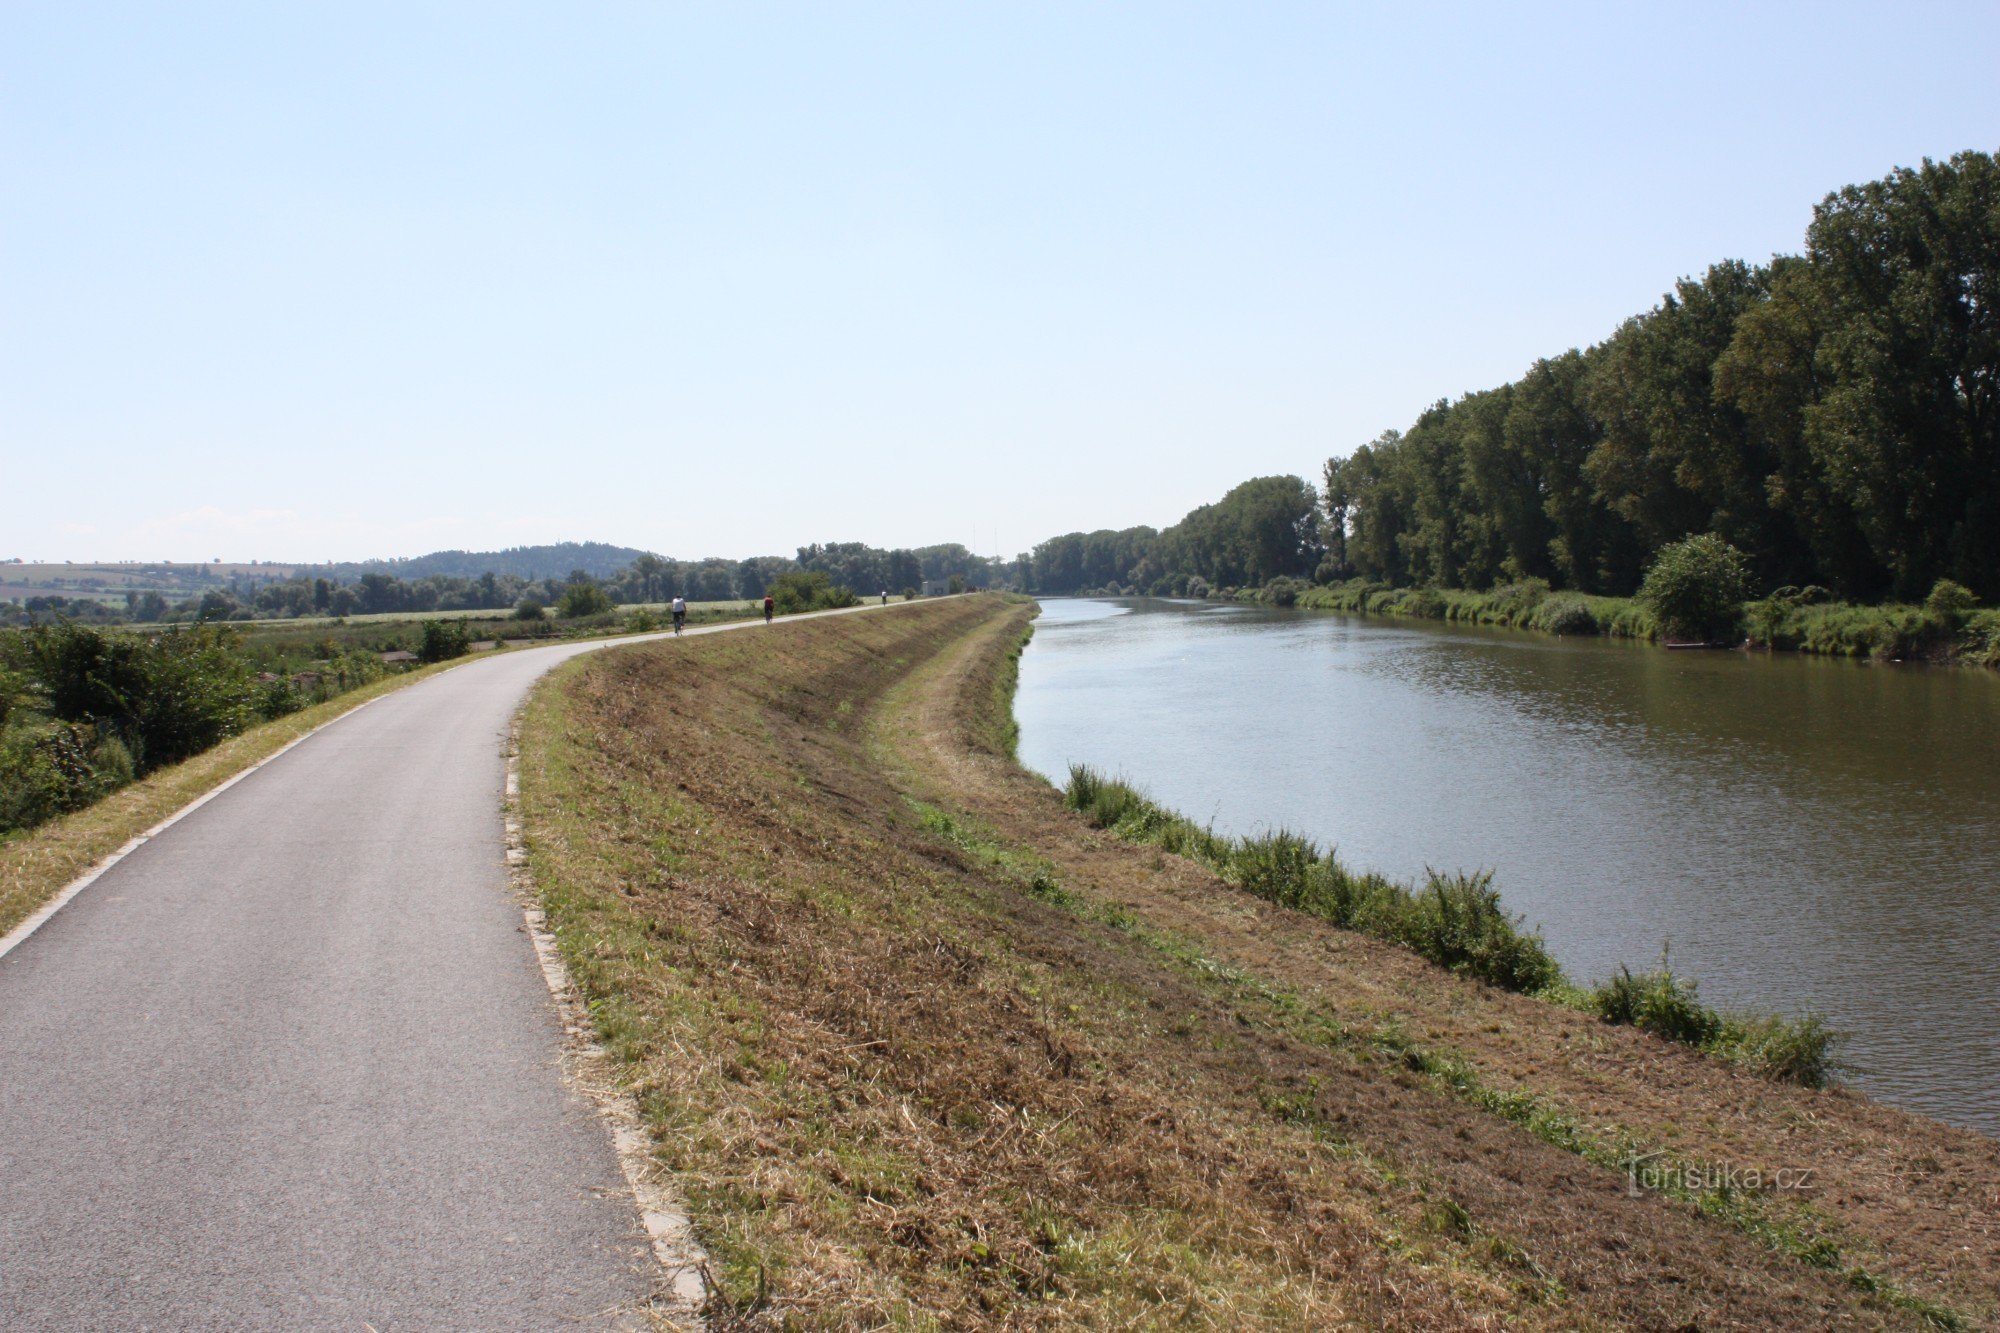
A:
x,y
294,1062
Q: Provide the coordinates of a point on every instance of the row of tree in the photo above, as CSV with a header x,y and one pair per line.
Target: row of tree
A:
x,y
1266,528
1834,415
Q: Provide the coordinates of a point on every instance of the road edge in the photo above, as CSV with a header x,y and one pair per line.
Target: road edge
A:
x,y
684,1296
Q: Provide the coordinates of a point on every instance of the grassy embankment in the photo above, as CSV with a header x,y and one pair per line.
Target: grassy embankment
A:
x,y
1837,629
924,1049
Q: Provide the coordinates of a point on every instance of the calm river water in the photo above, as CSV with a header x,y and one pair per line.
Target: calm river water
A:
x,y
1808,834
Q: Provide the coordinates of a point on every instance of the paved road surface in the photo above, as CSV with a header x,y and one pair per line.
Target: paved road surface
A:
x,y
292,1063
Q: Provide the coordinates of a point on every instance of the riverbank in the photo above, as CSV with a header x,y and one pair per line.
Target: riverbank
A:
x,y
922,1046
1786,623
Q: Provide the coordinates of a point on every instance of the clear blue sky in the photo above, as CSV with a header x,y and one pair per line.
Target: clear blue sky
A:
x,y
288,281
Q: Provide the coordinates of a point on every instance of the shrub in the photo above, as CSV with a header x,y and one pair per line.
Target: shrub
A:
x,y
1696,587
529,609
52,770
1277,867
13,692
1565,615
812,590
1798,1050
1284,590
1457,921
1791,1050
1104,802
443,640
276,698
1515,603
1949,602
583,598
1197,587
165,697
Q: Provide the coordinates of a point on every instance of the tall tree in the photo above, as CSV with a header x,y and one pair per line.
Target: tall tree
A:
x,y
1906,276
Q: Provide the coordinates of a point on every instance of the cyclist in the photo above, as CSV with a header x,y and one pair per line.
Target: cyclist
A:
x,y
769,607
680,612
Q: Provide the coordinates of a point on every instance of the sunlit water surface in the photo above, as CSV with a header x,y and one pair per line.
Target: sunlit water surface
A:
x,y
1808,834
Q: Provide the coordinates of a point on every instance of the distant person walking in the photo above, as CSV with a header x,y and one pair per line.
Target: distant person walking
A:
x,y
769,607
885,596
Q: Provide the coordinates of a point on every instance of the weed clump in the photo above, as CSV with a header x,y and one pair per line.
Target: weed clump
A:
x,y
1657,1002
1790,1050
1455,921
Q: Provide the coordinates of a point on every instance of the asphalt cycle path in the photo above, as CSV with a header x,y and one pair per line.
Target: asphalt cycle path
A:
x,y
293,1063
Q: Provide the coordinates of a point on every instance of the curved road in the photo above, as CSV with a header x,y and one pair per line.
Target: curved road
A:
x,y
293,1062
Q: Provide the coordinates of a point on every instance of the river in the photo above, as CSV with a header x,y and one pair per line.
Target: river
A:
x,y
1805,834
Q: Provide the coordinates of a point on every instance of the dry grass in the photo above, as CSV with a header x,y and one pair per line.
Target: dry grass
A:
x,y
36,865
925,1051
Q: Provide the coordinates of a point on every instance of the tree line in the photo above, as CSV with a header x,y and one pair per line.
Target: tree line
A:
x,y
1264,529
1834,416
647,578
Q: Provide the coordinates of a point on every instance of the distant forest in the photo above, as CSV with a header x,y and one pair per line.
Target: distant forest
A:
x,y
506,579
1834,415
597,559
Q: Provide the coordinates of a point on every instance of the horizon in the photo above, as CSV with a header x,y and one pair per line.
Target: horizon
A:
x,y
335,287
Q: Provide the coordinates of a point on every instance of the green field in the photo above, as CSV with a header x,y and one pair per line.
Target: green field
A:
x,y
111,581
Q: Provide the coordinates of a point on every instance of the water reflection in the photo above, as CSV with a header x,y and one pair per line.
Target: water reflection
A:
x,y
1807,833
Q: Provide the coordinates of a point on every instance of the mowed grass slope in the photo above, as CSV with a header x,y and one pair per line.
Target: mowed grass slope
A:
x,y
922,1049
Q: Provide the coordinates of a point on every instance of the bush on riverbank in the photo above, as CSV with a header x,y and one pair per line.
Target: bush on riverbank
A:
x,y
1696,588
1458,922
